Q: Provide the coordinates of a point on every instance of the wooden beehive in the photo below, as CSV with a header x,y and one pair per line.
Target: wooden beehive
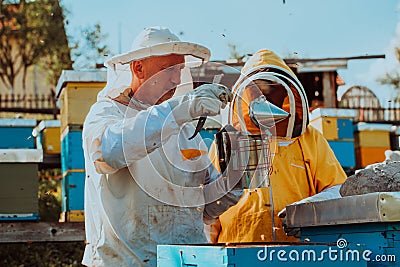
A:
x,y
47,135
77,92
19,183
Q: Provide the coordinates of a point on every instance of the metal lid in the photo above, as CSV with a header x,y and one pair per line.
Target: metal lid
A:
x,y
45,124
79,76
366,208
363,126
17,122
333,112
21,155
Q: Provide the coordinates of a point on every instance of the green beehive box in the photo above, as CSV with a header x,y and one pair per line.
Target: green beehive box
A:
x,y
19,184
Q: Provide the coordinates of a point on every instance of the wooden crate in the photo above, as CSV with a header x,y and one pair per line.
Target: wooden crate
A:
x,y
77,91
369,155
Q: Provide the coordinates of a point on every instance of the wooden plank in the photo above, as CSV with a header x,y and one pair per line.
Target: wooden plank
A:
x,y
22,232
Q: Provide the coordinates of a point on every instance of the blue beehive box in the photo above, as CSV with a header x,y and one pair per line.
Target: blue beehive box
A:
x,y
345,129
344,152
17,133
244,255
72,157
208,136
370,221
73,185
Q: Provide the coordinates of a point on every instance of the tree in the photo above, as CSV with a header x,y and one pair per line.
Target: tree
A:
x,y
32,31
393,78
90,48
234,53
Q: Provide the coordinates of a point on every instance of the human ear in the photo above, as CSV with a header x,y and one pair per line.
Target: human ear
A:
x,y
137,69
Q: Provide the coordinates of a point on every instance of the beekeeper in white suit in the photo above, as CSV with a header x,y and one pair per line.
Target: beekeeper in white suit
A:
x,y
146,182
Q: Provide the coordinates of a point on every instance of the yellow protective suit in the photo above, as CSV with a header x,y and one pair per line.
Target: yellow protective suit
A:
x,y
302,166
301,169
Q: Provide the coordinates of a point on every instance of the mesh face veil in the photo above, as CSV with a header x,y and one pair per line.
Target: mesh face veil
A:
x,y
277,77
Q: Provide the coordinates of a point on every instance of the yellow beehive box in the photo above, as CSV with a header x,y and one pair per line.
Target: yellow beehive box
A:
x,y
77,91
47,135
72,216
369,155
372,135
327,126
325,120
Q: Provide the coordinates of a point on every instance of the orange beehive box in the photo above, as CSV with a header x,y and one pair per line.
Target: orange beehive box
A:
x,y
369,155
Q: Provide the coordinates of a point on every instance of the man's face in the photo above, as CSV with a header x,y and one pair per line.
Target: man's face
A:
x,y
160,77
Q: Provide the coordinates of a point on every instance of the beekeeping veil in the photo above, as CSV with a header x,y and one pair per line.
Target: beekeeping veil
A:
x,y
152,41
266,66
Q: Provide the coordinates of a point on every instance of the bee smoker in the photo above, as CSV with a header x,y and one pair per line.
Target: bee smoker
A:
x,y
248,155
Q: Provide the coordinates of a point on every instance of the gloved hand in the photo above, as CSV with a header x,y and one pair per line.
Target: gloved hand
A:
x,y
221,194
326,194
205,100
289,231
215,208
212,231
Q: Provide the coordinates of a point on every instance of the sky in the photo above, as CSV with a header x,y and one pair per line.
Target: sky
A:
x,y
291,28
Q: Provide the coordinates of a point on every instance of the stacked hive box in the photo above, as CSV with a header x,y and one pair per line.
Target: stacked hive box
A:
x,y
18,170
336,125
369,221
47,135
372,140
77,91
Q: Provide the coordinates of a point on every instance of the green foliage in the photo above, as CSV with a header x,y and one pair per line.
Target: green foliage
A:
x,y
89,47
32,31
234,53
393,78
49,195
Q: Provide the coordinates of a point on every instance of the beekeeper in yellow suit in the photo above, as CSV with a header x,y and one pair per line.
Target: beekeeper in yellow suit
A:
x,y
304,167
147,183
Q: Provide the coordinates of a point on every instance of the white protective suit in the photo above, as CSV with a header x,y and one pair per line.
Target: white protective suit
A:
x,y
153,192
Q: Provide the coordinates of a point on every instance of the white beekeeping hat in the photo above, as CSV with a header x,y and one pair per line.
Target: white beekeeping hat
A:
x,y
159,41
152,41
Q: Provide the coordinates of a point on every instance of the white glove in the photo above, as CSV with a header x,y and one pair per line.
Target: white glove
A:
x,y
205,100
